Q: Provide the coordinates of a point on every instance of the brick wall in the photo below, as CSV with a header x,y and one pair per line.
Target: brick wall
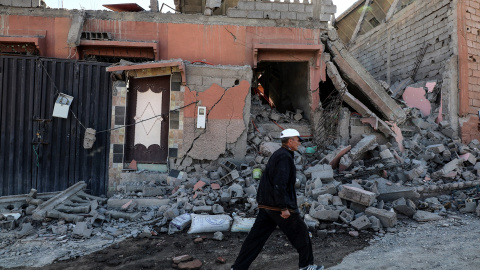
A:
x,y
282,10
472,21
389,51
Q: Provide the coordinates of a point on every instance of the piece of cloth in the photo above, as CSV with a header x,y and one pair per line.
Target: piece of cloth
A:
x,y
265,223
277,186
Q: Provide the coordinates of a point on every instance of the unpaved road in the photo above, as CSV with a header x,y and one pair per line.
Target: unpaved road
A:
x,y
451,243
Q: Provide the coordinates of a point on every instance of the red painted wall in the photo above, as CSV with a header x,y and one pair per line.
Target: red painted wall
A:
x,y
216,44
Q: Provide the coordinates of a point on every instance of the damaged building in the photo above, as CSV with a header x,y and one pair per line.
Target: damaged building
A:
x,y
175,115
426,51
191,74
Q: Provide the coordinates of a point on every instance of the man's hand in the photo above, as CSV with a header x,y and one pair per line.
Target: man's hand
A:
x,y
285,214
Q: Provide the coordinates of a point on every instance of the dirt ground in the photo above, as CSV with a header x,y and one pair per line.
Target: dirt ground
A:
x,y
157,253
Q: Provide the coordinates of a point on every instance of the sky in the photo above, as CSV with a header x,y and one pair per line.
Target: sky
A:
x,y
342,5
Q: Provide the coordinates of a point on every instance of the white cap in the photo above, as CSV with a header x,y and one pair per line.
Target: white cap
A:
x,y
290,132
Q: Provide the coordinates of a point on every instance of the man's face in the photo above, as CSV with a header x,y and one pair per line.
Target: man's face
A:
x,y
294,143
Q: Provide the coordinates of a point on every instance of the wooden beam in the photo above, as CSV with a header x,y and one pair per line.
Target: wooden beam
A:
x,y
392,10
360,20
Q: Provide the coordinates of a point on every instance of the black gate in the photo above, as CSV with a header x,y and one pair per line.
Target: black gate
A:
x,y
44,152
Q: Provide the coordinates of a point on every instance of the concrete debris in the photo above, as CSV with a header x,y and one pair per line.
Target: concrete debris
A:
x,y
415,167
387,218
424,216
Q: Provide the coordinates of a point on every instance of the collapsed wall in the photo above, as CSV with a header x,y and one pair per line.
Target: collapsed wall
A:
x,y
418,43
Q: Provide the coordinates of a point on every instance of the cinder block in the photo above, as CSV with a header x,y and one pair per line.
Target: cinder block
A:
x,y
332,9
236,13
296,7
303,16
208,81
361,223
281,7
288,15
406,207
228,82
325,17
387,218
309,8
273,15
255,14
323,212
263,6
246,5
22,3
194,79
357,195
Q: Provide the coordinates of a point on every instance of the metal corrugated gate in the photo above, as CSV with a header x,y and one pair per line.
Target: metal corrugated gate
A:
x,y
44,152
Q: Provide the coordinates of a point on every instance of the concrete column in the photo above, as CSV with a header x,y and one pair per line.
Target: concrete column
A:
x,y
154,5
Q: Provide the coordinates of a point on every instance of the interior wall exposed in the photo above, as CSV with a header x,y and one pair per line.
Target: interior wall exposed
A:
x,y
287,84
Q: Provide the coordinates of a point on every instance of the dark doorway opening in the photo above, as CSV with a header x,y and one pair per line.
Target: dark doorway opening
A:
x,y
285,85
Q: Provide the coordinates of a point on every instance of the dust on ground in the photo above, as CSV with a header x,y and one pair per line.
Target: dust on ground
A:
x,y
157,253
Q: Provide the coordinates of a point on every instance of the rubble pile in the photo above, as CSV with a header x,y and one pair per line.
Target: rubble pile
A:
x,y
362,187
419,169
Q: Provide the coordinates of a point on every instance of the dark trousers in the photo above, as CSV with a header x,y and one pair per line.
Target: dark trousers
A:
x,y
265,223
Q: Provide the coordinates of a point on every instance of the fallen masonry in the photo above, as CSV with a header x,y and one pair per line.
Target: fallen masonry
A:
x,y
406,166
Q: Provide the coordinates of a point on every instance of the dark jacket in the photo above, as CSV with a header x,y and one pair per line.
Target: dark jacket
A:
x,y
277,186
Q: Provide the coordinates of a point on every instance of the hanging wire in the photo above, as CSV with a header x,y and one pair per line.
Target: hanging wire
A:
x,y
124,126
78,120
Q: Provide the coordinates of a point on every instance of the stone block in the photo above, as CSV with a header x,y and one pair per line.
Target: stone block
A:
x,y
470,207
323,212
386,154
236,13
290,15
436,148
265,6
248,5
325,17
208,81
81,230
21,3
389,192
309,9
357,195
267,148
303,16
280,6
332,9
273,15
322,171
478,210
347,216
405,206
424,216
361,223
387,218
296,7
194,79
255,14
376,224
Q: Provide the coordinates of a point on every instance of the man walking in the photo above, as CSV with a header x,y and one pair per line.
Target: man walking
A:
x,y
277,203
